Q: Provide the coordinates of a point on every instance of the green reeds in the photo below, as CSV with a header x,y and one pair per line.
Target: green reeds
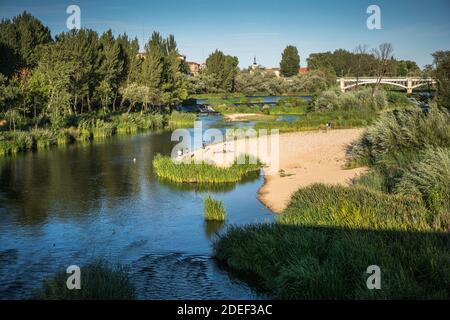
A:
x,y
99,281
192,172
214,210
181,119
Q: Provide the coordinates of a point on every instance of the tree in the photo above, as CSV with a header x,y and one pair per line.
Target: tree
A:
x,y
18,40
442,73
82,49
111,69
55,75
223,69
383,60
290,62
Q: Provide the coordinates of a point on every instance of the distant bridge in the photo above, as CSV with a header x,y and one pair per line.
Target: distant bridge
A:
x,y
408,83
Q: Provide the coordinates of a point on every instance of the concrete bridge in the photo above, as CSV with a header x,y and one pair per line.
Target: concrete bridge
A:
x,y
408,83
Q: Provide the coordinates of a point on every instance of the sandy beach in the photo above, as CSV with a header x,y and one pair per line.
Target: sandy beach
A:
x,y
239,116
305,158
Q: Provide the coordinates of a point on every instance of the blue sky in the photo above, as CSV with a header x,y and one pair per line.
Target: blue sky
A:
x,y
260,28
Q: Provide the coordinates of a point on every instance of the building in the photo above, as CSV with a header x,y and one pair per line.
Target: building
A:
x,y
275,71
194,68
254,65
303,70
141,56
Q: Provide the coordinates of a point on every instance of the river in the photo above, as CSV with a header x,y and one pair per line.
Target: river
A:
x,y
72,205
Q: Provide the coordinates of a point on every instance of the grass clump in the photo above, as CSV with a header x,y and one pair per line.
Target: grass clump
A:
x,y
322,245
429,179
214,210
99,281
181,119
181,172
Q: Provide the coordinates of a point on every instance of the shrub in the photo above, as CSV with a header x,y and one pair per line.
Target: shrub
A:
x,y
214,210
99,281
12,142
403,130
351,100
372,180
397,98
327,101
429,179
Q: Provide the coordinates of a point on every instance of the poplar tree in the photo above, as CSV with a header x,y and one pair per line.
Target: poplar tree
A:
x,y
290,62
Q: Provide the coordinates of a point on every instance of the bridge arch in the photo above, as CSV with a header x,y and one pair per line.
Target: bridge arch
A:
x,y
382,82
402,82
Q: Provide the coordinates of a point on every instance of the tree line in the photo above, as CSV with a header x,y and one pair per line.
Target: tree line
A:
x,y
81,71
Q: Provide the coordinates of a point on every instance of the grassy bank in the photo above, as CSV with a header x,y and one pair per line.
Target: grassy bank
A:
x,y
322,245
181,120
99,281
343,110
317,120
202,173
408,152
87,127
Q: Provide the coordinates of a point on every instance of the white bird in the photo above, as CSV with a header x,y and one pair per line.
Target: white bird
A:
x,y
134,159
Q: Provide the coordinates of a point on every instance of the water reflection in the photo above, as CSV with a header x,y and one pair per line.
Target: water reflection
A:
x,y
213,227
70,205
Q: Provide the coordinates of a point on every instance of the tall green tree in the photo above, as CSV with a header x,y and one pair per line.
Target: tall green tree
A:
x,y
19,38
290,62
153,67
111,70
442,74
223,69
83,49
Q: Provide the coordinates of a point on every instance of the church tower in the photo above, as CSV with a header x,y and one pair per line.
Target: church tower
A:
x,y
254,65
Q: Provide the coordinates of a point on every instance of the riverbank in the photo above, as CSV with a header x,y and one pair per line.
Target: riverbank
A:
x,y
305,158
86,128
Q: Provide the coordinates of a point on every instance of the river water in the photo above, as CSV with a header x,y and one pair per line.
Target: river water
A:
x,y
72,205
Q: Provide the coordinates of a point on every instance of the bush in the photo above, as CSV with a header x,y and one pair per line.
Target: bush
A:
x,y
403,130
429,179
44,138
362,99
99,281
327,101
12,142
397,98
373,180
214,210
323,243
